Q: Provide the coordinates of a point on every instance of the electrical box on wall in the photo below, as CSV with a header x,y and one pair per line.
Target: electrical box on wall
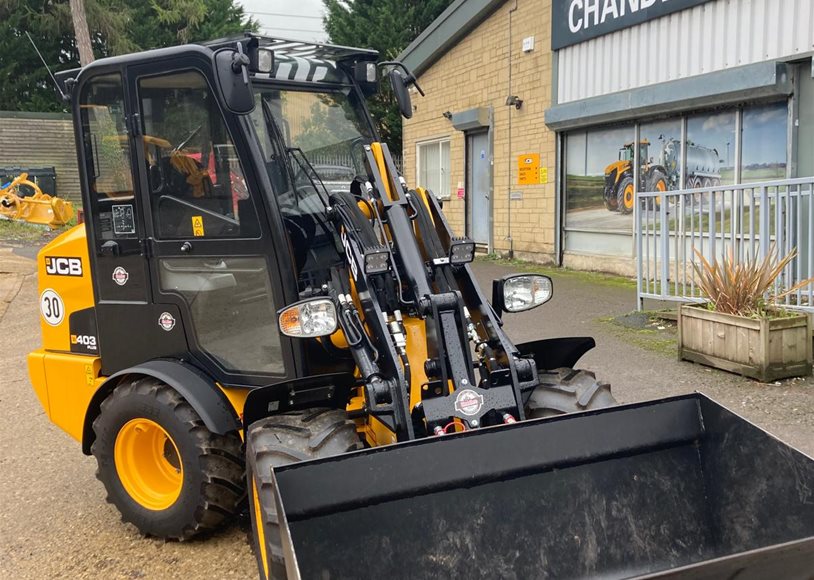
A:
x,y
528,44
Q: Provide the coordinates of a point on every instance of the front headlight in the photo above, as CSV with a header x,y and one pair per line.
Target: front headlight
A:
x,y
309,318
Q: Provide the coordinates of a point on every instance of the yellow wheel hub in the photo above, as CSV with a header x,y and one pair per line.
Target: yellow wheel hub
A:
x,y
148,464
660,186
628,196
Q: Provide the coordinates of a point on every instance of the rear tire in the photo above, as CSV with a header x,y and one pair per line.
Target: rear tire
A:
x,y
658,182
568,391
162,468
280,440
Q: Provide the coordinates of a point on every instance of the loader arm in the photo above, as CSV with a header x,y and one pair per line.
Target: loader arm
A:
x,y
404,271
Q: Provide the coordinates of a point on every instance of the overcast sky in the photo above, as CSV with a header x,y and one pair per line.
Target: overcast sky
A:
x,y
295,19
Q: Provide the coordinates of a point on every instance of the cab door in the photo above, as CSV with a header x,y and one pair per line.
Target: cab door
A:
x,y
115,229
212,264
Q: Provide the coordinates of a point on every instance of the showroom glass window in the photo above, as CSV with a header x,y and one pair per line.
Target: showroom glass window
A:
x,y
764,142
599,179
711,149
660,160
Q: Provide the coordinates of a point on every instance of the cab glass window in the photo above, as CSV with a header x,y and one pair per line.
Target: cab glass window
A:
x,y
107,157
197,185
232,309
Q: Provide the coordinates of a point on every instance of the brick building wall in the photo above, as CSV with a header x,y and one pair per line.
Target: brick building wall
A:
x,y
475,73
41,140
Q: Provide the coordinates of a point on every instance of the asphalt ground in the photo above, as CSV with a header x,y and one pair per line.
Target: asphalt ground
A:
x,y
55,523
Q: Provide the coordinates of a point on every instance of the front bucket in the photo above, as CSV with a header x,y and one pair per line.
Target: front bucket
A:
x,y
679,488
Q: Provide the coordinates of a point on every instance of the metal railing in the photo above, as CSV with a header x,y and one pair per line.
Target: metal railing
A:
x,y
744,220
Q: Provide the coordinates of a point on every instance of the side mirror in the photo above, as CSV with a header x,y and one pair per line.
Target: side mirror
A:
x,y
308,318
520,292
398,80
232,74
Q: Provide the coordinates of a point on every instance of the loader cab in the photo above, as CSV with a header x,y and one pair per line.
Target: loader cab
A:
x,y
202,221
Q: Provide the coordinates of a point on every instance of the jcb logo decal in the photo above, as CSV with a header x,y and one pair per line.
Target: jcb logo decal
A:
x,y
63,266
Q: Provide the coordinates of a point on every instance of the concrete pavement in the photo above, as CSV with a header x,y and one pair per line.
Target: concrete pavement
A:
x,y
54,522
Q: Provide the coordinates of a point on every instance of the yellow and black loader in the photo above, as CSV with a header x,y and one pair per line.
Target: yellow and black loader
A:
x,y
224,327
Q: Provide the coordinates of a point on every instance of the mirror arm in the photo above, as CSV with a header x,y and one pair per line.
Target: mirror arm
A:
x,y
411,80
240,63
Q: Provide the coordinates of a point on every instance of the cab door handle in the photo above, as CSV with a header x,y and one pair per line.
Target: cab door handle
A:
x,y
186,247
109,248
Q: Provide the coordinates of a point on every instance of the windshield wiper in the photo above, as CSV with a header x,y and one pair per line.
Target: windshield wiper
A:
x,y
310,173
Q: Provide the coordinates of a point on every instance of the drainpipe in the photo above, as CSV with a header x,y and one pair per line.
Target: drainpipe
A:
x,y
509,181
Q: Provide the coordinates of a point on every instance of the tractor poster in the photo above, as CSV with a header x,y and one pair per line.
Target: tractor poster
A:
x,y
601,177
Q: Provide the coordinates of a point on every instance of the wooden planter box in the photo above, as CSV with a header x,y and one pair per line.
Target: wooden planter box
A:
x,y
763,349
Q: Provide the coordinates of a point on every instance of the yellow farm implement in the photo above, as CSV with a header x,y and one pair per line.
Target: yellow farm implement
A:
x,y
39,208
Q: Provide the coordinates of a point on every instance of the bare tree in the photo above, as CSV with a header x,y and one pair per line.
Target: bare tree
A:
x,y
80,26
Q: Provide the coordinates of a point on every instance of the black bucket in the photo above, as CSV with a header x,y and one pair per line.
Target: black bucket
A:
x,y
678,488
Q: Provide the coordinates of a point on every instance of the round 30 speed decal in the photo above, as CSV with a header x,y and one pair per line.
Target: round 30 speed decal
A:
x,y
51,307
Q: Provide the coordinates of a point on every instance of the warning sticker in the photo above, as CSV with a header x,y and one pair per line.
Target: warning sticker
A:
x,y
528,169
124,220
197,226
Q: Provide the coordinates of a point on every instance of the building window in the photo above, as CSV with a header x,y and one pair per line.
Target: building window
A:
x,y
660,157
599,179
710,150
433,170
763,148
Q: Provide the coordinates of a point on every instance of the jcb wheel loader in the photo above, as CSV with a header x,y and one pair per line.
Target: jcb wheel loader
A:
x,y
219,298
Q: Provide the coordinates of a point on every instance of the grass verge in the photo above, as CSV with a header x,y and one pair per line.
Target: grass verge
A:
x,y
14,231
555,272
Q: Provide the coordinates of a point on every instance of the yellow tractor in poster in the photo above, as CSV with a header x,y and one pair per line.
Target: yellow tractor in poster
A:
x,y
619,193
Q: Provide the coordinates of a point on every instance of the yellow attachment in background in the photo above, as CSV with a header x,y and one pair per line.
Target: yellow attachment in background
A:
x,y
39,208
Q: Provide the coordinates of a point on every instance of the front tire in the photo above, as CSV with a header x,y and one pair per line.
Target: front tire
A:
x,y
279,440
162,468
625,196
567,390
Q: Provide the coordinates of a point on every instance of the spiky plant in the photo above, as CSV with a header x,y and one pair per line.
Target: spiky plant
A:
x,y
744,288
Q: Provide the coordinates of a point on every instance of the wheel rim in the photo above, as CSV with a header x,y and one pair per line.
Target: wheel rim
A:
x,y
148,464
628,196
259,531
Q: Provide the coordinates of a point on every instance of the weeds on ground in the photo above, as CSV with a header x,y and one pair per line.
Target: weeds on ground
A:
x,y
14,231
651,332
17,232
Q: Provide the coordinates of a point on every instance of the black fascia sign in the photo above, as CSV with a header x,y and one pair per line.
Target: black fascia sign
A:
x,y
575,21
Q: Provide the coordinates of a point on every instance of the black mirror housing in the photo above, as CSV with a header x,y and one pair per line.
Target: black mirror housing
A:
x,y
235,86
399,83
